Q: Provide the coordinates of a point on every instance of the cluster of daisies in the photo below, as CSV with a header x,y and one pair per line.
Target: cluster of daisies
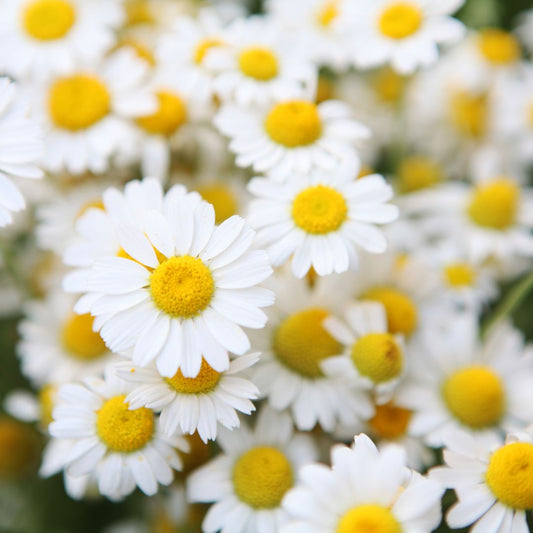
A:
x,y
254,258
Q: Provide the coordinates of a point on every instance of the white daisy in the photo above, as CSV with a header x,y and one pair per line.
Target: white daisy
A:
x,y
321,219
193,404
293,135
21,147
123,447
40,37
402,33
455,381
248,481
365,490
184,290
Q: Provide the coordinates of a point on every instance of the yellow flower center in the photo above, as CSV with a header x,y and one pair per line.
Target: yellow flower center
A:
x,y
499,47
301,342
369,519
402,315
221,198
400,20
510,475
418,172
388,85
469,113
495,205
47,404
327,13
475,396
319,210
19,449
139,12
459,275
259,63
204,47
390,422
182,286
47,20
378,357
121,429
77,102
295,123
206,380
262,476
142,51
170,115
79,339
96,204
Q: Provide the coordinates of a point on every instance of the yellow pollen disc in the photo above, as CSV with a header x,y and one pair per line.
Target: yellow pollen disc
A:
x,y
510,475
142,51
182,286
19,449
47,20
390,422
262,476
388,85
170,115
139,12
221,198
295,123
475,396
319,210
402,315
96,204
469,113
495,205
369,519
301,342
327,13
47,404
418,172
378,357
499,47
459,275
80,340
203,48
121,429
259,63
400,20
77,102
204,382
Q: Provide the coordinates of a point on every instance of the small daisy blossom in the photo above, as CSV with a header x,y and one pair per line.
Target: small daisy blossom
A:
x,y
292,135
193,404
373,359
321,218
364,490
123,447
21,148
406,34
248,481
493,481
184,290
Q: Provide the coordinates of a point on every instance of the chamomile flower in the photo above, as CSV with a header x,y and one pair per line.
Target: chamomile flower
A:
x,y
193,404
184,290
249,480
371,359
21,148
365,490
123,447
457,382
404,34
321,219
492,480
292,135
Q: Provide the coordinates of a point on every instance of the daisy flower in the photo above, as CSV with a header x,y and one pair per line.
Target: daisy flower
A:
x,y
193,404
457,382
249,480
182,290
371,359
292,135
493,481
43,37
364,490
321,219
124,447
87,112
21,149
402,33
